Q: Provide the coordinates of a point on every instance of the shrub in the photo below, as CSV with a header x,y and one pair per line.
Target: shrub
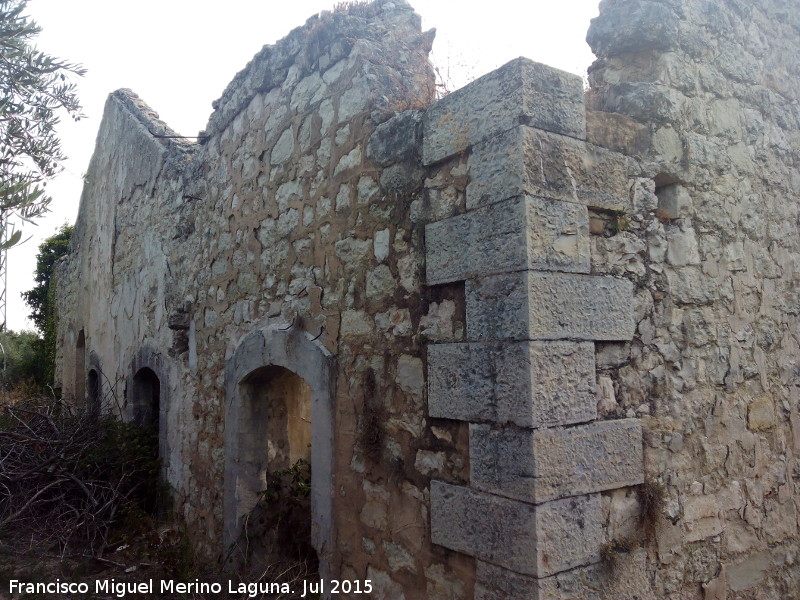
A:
x,y
281,520
21,360
66,475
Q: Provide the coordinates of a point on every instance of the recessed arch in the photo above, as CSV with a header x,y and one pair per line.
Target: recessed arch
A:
x,y
148,396
80,367
94,393
279,367
281,399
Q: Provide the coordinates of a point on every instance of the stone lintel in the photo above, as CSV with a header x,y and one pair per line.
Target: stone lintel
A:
x,y
529,384
513,235
531,540
536,305
524,160
521,91
546,464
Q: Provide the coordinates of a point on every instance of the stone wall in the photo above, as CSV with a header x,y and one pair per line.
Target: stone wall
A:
x,y
706,94
524,376
548,352
281,219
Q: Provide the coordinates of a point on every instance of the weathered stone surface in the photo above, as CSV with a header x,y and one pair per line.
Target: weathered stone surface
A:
x,y
529,384
537,465
701,517
537,541
761,414
627,580
524,160
748,573
688,285
675,201
520,91
626,27
520,233
397,140
616,132
532,305
488,527
495,583
568,534
682,247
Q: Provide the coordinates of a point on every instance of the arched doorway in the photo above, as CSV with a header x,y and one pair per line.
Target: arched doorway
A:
x,y
80,367
146,398
275,465
94,396
279,397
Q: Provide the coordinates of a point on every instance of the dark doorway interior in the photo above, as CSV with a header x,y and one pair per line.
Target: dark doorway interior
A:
x,y
94,396
146,398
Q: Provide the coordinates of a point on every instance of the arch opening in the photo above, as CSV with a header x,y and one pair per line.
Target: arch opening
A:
x,y
275,459
94,397
146,398
280,401
279,415
80,366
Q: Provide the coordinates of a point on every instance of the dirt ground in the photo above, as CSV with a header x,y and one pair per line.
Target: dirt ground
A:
x,y
156,556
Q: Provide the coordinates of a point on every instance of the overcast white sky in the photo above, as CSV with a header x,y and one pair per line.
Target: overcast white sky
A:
x,y
179,55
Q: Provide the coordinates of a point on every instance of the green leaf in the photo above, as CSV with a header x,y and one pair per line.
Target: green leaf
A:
x,y
15,237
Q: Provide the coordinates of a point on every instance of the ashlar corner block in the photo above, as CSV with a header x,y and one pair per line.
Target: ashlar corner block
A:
x,y
522,91
513,235
528,384
538,465
495,583
531,540
549,306
530,161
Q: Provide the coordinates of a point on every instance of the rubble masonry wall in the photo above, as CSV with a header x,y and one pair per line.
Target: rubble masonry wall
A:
x,y
560,345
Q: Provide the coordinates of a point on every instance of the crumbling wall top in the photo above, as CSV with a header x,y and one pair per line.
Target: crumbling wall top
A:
x,y
320,43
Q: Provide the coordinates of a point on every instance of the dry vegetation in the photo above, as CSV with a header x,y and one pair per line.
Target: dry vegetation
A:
x,y
81,500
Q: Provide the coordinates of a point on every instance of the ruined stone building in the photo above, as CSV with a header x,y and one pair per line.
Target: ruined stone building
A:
x,y
543,340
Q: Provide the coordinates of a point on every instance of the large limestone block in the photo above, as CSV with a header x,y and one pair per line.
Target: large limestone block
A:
x,y
617,132
546,306
517,234
537,465
396,140
529,384
532,540
592,582
495,583
521,91
524,160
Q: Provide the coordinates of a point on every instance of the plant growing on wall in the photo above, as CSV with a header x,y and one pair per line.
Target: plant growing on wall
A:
x,y
35,89
285,510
